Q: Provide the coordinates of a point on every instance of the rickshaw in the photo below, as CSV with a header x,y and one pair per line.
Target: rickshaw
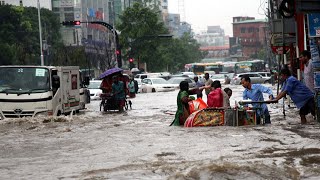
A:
x,y
108,101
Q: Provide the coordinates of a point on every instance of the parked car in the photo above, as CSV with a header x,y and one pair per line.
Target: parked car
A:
x,y
256,78
95,90
219,77
266,75
175,81
189,74
155,85
147,75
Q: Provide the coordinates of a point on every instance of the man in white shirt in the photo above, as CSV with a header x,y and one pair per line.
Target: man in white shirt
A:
x,y
207,82
305,58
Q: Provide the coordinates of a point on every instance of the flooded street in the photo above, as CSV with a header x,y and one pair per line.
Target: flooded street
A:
x,y
140,144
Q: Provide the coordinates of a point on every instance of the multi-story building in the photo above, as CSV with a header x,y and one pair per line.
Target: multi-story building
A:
x,y
248,37
176,27
214,42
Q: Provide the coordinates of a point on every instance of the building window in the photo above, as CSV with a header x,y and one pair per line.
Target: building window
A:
x,y
243,30
55,9
69,16
68,9
257,29
251,30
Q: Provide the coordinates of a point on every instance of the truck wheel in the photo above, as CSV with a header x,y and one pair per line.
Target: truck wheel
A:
x,y
153,90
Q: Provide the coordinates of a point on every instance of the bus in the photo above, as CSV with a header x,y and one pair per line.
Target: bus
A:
x,y
249,66
196,68
213,68
228,66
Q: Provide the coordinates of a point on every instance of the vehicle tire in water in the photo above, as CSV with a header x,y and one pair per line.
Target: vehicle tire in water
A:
x,y
153,90
267,82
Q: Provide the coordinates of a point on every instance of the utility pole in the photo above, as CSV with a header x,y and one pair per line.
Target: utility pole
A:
x,y
40,35
114,33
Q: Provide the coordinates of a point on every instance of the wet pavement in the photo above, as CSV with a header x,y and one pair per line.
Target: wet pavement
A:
x,y
140,144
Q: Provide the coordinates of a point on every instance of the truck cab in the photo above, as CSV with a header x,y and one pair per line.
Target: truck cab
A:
x,y
29,91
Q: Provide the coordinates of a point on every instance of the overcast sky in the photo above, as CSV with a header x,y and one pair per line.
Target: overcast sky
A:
x,y
203,13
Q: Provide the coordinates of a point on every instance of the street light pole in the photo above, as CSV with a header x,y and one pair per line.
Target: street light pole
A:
x,y
114,31
40,35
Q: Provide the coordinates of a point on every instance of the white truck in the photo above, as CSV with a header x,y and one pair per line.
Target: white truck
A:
x,y
30,91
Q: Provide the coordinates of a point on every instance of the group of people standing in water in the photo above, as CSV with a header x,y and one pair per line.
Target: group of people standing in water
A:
x,y
301,95
216,97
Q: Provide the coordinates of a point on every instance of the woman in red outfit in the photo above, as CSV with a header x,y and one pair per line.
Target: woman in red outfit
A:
x,y
215,97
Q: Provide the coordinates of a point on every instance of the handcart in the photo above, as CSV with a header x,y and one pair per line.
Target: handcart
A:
x,y
237,116
256,109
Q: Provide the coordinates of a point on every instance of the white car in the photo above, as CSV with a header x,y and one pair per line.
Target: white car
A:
x,y
155,85
255,78
175,81
219,77
95,90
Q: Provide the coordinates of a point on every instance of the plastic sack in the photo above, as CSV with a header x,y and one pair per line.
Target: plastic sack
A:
x,y
196,105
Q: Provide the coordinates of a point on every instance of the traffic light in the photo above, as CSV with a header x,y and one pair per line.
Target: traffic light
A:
x,y
118,54
131,64
71,23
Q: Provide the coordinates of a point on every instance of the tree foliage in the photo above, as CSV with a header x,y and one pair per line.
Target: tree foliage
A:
x,y
19,34
140,28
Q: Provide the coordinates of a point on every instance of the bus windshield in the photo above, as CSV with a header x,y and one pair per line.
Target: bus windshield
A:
x,y
24,80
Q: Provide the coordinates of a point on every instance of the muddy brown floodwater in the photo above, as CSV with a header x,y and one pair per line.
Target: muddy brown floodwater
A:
x,y
139,144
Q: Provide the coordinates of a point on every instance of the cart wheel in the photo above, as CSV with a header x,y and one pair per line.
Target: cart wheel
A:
x,y
126,105
102,104
105,108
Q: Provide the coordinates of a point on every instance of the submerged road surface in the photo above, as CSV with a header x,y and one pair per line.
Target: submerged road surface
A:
x,y
139,144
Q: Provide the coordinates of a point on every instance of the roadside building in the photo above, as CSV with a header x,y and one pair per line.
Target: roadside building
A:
x,y
214,41
248,37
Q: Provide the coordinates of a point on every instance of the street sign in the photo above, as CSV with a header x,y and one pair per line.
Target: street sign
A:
x,y
314,24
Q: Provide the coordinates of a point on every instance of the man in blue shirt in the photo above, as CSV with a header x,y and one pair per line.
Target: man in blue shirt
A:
x,y
300,94
254,92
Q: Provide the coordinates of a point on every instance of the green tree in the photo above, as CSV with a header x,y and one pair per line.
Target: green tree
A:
x,y
140,28
19,33
181,51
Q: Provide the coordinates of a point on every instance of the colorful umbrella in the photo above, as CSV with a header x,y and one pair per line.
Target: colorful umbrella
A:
x,y
110,72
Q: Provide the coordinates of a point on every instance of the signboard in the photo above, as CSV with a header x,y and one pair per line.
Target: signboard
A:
x,y
314,24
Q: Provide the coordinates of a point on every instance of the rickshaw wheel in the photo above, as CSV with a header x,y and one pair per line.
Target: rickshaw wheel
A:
x,y
126,105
